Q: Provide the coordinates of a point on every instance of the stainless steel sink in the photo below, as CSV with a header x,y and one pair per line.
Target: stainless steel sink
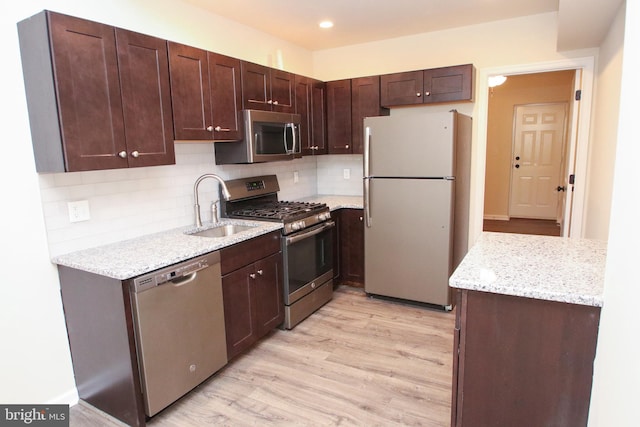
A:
x,y
222,230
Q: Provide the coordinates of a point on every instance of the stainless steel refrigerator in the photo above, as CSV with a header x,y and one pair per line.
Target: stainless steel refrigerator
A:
x,y
416,203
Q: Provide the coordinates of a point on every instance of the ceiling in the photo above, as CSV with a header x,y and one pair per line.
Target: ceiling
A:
x,y
361,21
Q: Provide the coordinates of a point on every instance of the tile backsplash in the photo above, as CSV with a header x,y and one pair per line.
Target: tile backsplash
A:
x,y
127,203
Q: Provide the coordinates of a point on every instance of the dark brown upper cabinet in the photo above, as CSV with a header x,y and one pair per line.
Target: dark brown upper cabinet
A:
x,y
265,88
445,84
348,103
98,96
339,116
310,105
365,102
206,94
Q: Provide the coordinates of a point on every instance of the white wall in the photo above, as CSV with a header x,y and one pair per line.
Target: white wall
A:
x,y
514,43
35,364
617,370
604,126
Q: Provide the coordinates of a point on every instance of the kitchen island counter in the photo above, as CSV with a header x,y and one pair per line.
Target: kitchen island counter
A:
x,y
540,267
527,317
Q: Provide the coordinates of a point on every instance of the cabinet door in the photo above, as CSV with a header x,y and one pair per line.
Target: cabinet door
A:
x,y
282,91
337,252
268,301
256,87
226,97
319,117
144,76
365,102
304,108
190,93
339,117
448,84
401,88
238,316
88,92
352,246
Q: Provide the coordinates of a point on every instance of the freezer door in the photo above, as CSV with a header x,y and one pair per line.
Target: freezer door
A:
x,y
408,241
416,145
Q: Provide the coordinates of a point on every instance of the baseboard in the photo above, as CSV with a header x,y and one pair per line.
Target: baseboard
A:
x,y
497,217
70,397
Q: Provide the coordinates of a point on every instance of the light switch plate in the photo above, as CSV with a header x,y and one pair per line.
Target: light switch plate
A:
x,y
296,177
79,211
346,173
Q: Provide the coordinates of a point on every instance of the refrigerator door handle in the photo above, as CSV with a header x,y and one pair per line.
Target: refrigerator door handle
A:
x,y
367,204
367,151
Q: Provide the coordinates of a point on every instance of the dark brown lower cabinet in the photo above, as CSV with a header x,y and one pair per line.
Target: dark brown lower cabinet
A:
x,y
522,361
349,249
252,286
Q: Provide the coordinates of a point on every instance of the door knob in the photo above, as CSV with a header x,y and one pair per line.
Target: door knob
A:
x,y
561,188
517,166
517,157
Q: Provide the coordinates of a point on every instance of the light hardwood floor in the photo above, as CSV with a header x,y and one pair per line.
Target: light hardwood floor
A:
x,y
356,361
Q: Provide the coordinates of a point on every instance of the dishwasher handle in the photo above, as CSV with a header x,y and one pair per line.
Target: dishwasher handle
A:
x,y
179,281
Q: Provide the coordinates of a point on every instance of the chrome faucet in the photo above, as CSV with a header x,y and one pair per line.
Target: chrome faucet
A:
x,y
225,194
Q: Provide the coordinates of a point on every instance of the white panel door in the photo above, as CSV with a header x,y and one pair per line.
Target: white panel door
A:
x,y
538,141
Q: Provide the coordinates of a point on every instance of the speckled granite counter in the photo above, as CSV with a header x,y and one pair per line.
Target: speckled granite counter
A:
x,y
337,202
541,267
131,258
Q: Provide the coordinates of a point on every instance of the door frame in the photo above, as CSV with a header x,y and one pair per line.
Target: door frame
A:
x,y
579,139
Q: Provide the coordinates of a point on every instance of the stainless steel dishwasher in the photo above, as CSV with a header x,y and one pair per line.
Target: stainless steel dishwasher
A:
x,y
179,328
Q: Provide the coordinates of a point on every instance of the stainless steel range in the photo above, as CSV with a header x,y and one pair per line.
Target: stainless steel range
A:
x,y
307,241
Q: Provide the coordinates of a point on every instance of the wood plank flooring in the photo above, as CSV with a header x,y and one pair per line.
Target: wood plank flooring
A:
x,y
356,361
523,226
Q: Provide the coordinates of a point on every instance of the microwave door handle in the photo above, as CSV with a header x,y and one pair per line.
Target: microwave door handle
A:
x,y
284,142
293,135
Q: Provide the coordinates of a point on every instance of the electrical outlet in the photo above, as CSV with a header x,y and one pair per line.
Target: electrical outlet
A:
x,y
296,177
346,173
79,211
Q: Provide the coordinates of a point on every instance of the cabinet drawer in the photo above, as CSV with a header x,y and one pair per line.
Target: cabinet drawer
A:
x,y
249,251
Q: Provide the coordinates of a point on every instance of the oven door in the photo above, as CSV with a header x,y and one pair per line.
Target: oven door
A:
x,y
308,260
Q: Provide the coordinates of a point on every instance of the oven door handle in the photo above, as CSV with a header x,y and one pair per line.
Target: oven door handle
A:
x,y
290,240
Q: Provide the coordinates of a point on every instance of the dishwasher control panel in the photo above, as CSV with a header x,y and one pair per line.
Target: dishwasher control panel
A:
x,y
176,271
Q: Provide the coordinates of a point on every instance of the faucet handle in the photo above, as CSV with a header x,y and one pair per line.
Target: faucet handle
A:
x,y
214,211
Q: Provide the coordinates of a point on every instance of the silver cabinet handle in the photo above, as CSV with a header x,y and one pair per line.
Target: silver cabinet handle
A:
x,y
275,102
252,275
418,94
260,272
221,129
269,102
122,154
427,93
210,128
135,154
346,146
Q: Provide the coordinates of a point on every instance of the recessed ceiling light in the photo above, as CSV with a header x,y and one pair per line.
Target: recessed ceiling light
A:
x,y
326,24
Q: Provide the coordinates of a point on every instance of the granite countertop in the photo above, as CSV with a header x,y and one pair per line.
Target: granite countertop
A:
x,y
133,257
337,202
540,267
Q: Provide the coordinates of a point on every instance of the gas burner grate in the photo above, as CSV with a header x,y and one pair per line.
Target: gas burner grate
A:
x,y
278,210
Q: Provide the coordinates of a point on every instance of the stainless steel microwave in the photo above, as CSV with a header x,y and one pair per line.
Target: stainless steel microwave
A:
x,y
268,137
